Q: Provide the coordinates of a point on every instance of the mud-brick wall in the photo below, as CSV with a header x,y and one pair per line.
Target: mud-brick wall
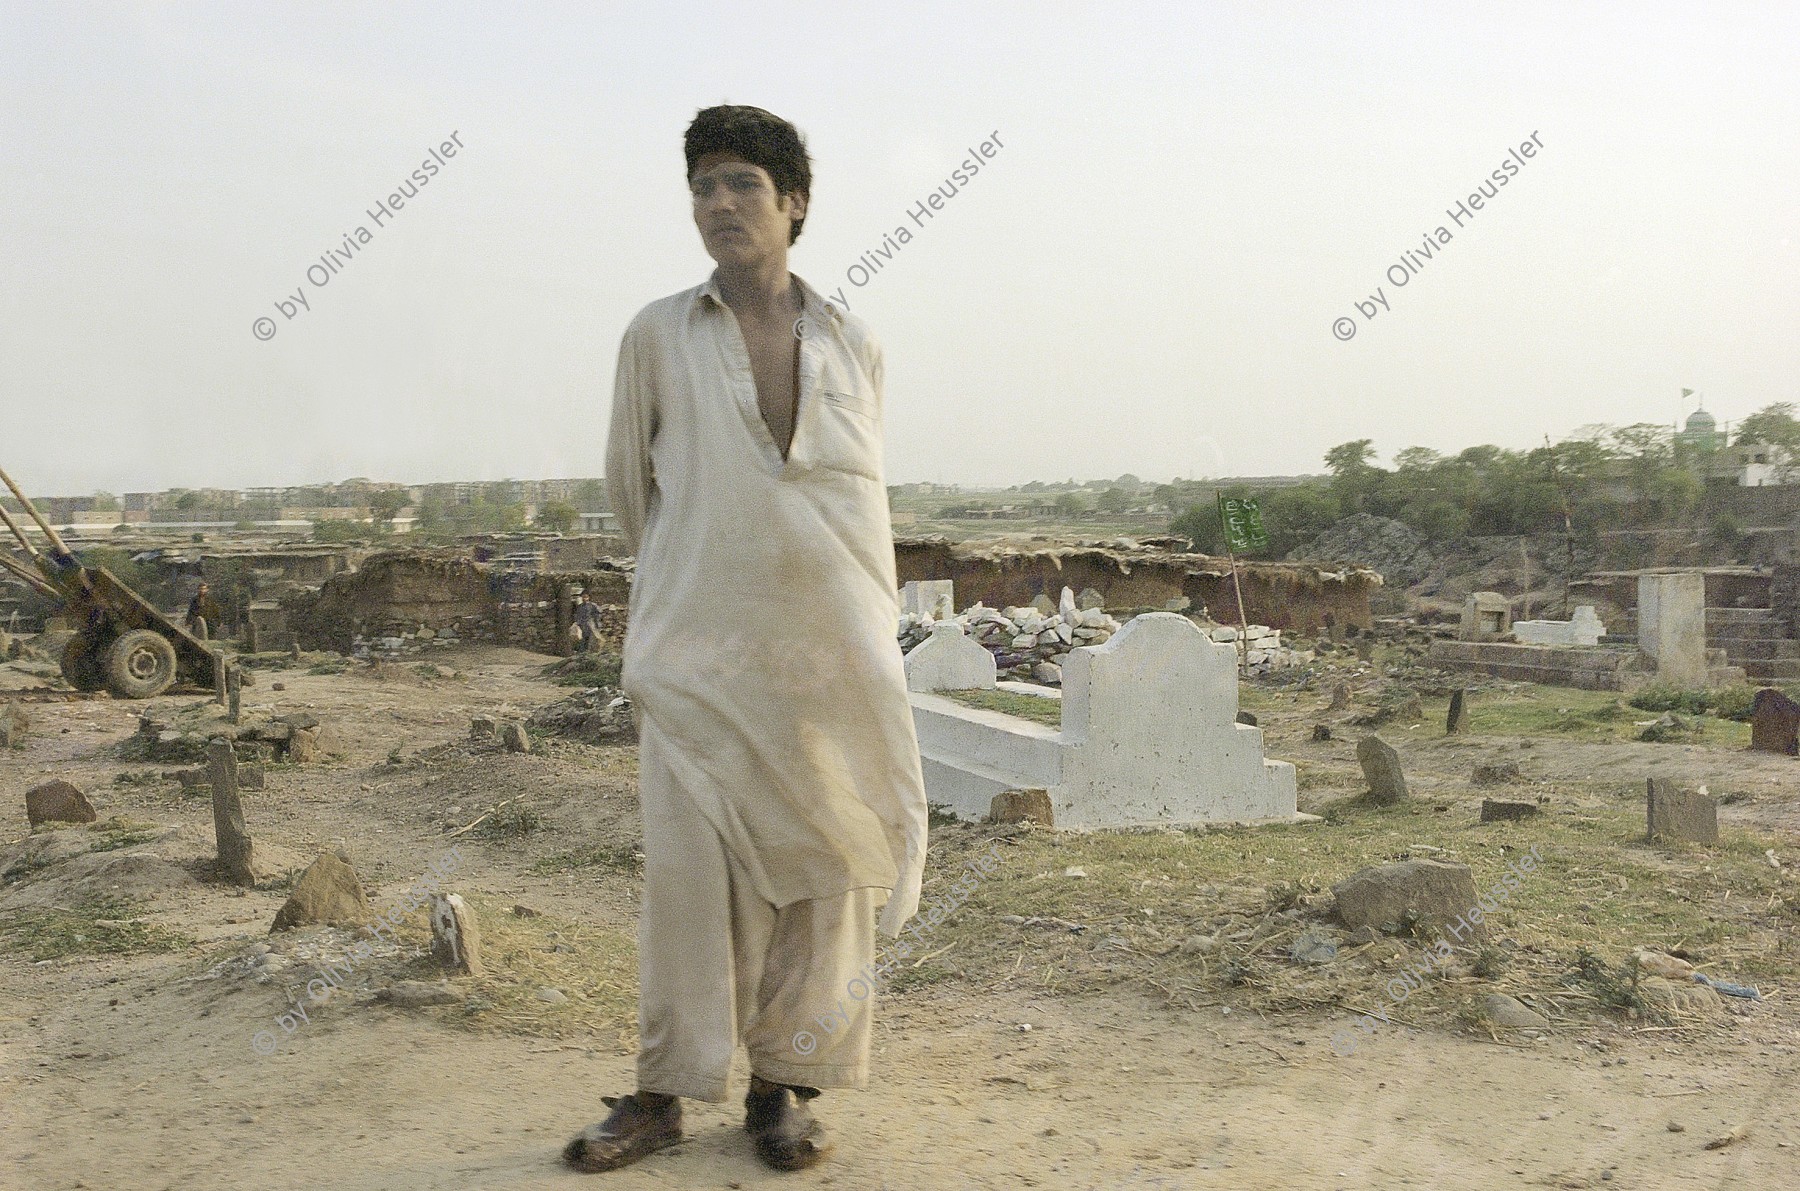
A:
x,y
391,594
1295,597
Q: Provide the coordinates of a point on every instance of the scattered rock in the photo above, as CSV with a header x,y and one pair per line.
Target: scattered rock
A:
x,y
1497,773
1381,769
327,892
1321,732
1314,946
251,777
58,802
278,686
513,737
1678,1002
1426,895
1075,871
1510,1013
1340,698
1245,717
1018,806
482,728
552,996
417,994
1199,945
524,911
1495,811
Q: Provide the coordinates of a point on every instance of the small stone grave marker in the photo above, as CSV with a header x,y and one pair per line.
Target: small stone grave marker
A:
x,y
1681,815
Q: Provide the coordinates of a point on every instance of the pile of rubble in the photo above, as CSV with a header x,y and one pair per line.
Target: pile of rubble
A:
x,y
1263,651
1029,643
597,715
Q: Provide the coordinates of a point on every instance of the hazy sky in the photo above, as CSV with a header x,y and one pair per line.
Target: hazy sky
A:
x,y
1144,279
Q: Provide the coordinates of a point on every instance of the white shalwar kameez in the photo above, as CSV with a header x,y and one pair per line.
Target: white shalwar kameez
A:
x,y
780,778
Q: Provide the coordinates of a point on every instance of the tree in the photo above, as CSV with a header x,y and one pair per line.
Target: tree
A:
x,y
1774,426
387,504
105,502
590,496
1114,501
1071,504
558,515
1353,480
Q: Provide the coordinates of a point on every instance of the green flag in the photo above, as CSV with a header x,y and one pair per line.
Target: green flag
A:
x,y
1243,524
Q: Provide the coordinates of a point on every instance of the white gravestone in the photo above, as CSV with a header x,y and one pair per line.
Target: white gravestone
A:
x,y
935,598
949,661
1583,631
1150,734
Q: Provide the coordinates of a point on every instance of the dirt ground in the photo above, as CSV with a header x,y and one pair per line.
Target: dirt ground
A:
x,y
138,1069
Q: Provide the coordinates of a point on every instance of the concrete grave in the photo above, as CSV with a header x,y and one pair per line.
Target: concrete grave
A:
x,y
1672,626
1486,616
1774,723
1677,815
935,598
1148,735
949,660
1582,632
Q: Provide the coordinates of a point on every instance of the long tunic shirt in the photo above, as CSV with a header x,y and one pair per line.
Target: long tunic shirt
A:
x,y
761,639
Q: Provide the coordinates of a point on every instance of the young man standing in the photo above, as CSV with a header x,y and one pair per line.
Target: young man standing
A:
x,y
780,778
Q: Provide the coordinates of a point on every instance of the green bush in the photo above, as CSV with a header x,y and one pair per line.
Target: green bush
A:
x,y
1734,702
1662,697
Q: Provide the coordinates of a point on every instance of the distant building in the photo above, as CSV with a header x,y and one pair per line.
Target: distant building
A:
x,y
1701,433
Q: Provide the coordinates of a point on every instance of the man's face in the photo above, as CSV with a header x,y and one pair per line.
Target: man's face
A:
x,y
741,219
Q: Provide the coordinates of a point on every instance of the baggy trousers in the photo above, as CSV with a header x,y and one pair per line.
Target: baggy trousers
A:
x,y
716,962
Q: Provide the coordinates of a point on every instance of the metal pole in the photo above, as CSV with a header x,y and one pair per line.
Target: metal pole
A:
x,y
17,532
29,577
56,541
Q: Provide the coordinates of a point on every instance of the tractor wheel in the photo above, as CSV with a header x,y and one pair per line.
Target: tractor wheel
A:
x,y
140,664
81,663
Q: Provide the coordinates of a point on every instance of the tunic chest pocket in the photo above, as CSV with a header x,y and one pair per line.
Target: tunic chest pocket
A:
x,y
848,434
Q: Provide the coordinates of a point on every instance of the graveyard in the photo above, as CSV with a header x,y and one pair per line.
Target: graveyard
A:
x,y
1435,925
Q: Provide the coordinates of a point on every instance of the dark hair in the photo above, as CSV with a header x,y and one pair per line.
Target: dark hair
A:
x,y
760,138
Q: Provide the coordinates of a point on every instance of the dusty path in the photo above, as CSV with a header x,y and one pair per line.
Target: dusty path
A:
x,y
120,1072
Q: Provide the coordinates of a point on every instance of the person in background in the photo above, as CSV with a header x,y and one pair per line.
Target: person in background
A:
x,y
203,613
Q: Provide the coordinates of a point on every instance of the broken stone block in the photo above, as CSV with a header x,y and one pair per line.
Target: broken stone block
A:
x,y
1017,806
250,777
513,737
58,802
1340,698
1495,811
1677,815
1498,773
1381,769
299,719
1246,717
1429,895
328,892
455,937
483,728
1321,732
